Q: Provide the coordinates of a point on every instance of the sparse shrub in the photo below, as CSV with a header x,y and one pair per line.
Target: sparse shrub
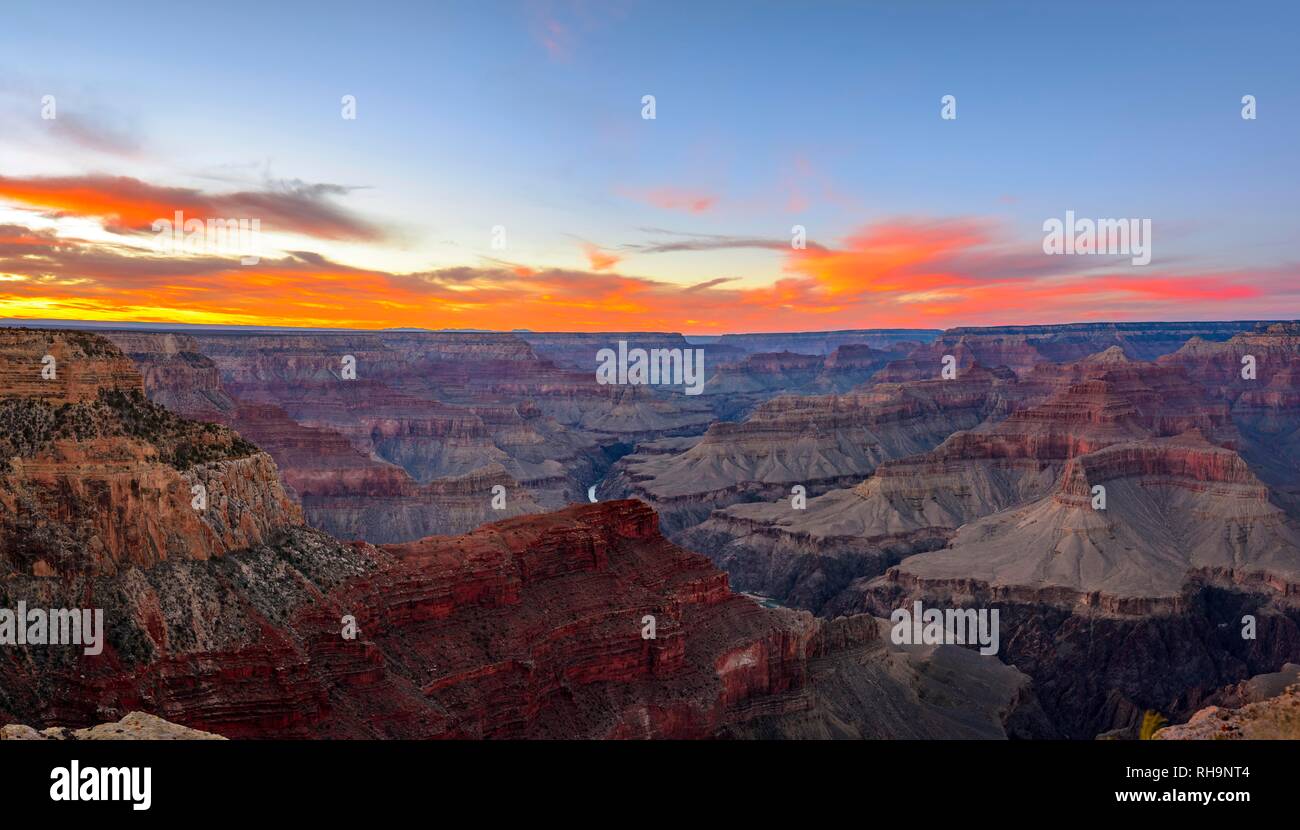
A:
x,y
1152,721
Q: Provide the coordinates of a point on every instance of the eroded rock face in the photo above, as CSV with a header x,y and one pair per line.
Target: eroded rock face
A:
x,y
1140,605
176,374
1175,508
1276,719
136,726
914,692
977,492
431,423
578,350
737,387
1022,347
1097,667
1257,374
916,502
767,372
1134,604
97,477
354,496
818,442
824,343
242,622
399,412
531,627
61,367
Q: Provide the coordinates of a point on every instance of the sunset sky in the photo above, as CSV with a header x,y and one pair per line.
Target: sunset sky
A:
x,y
528,116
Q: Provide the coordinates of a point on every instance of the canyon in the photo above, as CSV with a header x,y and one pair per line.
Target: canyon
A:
x,y
1127,495
1114,606
416,441
414,436
234,619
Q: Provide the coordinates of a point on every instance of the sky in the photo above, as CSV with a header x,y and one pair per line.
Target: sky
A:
x,y
499,171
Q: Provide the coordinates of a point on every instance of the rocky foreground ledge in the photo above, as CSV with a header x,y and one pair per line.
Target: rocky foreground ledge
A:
x,y
137,726
1275,719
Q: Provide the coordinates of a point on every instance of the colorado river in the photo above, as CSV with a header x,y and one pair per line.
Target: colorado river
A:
x,y
765,601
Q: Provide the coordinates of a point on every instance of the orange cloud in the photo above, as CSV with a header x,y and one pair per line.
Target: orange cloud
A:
x,y
601,260
890,258
126,205
897,274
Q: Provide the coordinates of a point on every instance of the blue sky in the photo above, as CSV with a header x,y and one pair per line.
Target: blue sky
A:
x,y
528,115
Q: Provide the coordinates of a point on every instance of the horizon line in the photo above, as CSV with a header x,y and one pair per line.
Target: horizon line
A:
x,y
133,325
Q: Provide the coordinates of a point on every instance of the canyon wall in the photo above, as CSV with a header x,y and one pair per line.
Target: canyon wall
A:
x,y
415,434
243,622
975,492
96,475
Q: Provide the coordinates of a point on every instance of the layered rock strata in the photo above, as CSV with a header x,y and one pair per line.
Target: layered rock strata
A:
x,y
819,443
582,623
915,503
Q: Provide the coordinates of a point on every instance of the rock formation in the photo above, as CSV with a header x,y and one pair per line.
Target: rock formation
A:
x,y
1124,516
1257,373
915,503
818,442
1128,503
136,726
1022,347
432,422
821,343
1275,719
96,476
736,388
584,622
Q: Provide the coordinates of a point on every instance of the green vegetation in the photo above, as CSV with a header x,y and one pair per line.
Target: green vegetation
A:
x,y
27,425
90,344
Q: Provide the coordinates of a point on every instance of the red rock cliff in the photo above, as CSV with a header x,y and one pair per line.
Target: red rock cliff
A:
x,y
96,477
